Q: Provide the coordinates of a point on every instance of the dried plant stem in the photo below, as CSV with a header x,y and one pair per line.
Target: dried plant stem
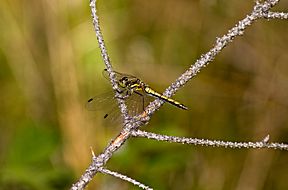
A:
x,y
259,11
275,15
106,58
214,143
125,178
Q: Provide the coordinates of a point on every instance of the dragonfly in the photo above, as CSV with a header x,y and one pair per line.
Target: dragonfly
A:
x,y
132,90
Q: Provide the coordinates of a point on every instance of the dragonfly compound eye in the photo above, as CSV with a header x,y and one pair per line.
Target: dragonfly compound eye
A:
x,y
124,80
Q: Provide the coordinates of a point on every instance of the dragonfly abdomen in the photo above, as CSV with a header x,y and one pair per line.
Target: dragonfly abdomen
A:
x,y
153,93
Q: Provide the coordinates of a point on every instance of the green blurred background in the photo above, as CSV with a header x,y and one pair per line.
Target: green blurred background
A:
x,y
50,65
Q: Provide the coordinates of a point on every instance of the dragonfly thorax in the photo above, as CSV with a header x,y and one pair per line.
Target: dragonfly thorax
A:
x,y
130,84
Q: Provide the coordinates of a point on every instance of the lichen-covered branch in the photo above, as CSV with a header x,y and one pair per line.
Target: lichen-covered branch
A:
x,y
259,10
275,15
215,143
125,178
106,58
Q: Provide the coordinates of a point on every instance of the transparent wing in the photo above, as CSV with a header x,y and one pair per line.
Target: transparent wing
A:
x,y
137,102
118,75
100,102
108,104
113,116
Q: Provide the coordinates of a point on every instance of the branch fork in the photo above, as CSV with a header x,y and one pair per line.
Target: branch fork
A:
x,y
261,10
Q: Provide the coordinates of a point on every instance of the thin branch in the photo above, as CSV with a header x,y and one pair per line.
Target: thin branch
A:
x,y
106,59
205,59
275,15
99,161
214,143
126,178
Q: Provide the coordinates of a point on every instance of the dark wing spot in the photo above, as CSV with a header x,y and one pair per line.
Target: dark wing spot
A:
x,y
90,99
105,116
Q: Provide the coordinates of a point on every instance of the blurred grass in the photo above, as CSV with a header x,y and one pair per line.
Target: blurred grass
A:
x,y
50,65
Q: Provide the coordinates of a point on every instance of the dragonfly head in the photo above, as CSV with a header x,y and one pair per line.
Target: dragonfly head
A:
x,y
123,82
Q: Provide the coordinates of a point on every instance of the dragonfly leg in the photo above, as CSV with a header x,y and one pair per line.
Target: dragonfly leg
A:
x,y
119,92
122,96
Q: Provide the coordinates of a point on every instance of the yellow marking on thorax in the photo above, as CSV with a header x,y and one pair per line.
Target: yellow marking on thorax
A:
x,y
134,85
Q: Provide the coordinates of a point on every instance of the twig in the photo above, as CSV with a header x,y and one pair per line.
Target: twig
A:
x,y
126,178
99,161
215,143
238,30
275,15
106,59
